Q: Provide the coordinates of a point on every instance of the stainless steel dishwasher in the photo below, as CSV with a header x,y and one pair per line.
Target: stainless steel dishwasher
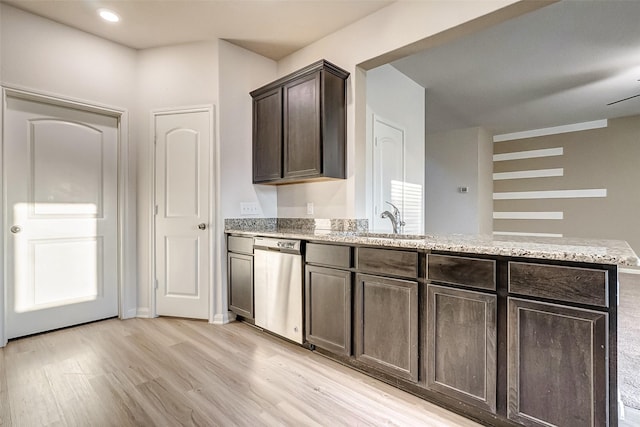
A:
x,y
278,286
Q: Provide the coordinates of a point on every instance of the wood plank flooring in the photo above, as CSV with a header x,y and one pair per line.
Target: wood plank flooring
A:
x,y
632,418
629,348
170,372
629,339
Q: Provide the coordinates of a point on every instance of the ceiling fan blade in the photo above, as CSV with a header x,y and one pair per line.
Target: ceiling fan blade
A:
x,y
624,99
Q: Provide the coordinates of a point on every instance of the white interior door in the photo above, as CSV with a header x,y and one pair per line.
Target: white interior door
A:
x,y
61,216
183,167
388,171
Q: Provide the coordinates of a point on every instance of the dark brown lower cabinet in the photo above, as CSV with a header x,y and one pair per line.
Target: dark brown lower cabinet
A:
x,y
240,277
328,309
461,345
557,365
386,325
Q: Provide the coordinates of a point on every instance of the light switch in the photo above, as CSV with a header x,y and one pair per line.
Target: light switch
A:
x,y
309,208
249,208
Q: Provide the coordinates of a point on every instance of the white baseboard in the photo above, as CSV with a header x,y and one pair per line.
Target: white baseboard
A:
x,y
629,270
130,314
223,318
143,312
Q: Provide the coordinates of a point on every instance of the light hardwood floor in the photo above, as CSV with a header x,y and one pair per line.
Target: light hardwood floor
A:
x,y
182,372
629,347
632,418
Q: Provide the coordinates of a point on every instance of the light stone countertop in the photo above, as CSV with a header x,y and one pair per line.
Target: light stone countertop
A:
x,y
615,252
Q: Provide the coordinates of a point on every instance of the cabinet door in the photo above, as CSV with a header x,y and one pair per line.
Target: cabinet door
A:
x,y
240,279
386,325
328,309
302,148
267,136
557,365
461,345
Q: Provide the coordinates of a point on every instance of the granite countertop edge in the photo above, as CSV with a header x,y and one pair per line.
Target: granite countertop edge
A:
x,y
613,252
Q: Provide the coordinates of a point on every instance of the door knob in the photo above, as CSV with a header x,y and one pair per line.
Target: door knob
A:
x,y
202,226
15,229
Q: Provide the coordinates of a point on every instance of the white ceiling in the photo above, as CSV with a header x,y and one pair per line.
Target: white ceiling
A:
x,y
558,65
273,28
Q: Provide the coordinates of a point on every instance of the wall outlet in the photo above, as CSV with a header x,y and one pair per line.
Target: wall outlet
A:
x,y
249,208
309,208
463,189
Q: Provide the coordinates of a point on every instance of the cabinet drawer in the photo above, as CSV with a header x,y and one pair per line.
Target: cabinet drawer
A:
x,y
456,270
240,244
332,255
571,284
388,262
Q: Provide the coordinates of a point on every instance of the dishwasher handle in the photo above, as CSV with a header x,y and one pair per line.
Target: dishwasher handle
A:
x,y
277,245
265,248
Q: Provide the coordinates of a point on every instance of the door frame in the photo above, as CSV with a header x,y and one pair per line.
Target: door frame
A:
x,y
213,219
126,232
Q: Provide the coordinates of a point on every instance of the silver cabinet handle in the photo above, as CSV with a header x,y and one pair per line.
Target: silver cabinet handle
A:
x,y
202,226
15,229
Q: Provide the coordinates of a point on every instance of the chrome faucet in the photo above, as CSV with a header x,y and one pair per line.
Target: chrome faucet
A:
x,y
394,217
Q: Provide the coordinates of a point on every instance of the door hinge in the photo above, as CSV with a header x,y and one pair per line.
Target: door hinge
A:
x,y
155,284
155,210
155,140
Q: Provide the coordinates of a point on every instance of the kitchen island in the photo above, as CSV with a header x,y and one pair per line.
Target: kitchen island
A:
x,y
506,331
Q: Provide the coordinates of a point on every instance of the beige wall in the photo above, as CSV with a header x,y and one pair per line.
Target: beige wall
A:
x,y
485,181
605,158
458,158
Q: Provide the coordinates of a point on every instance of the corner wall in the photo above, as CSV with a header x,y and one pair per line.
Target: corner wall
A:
x,y
485,181
43,55
240,71
459,158
217,73
166,77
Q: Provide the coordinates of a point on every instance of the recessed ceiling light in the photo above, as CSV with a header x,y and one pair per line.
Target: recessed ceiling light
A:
x,y
108,15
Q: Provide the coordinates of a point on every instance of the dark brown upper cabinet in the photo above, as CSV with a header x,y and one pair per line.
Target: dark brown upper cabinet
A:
x,y
267,136
299,126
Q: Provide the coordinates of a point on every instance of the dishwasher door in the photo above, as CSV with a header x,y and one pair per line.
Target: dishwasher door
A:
x,y
278,293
